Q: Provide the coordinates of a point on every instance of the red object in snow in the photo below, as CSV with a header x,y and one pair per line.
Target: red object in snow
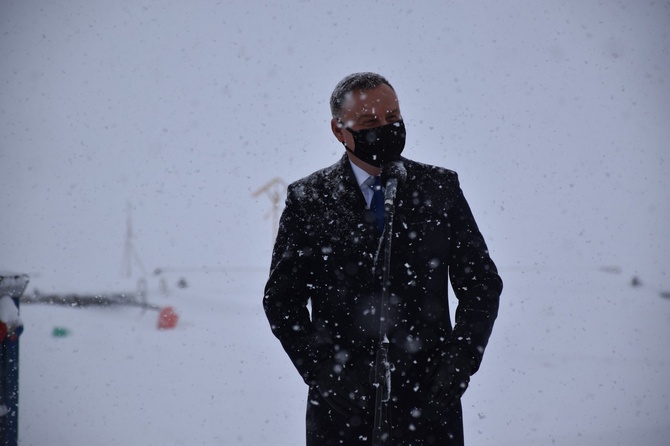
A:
x,y
167,318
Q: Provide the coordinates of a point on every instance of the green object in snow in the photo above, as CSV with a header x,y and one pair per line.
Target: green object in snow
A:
x,y
60,332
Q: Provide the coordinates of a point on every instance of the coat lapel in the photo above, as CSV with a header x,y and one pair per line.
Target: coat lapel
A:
x,y
355,223
346,191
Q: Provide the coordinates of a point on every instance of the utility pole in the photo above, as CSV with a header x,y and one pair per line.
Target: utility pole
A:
x,y
129,249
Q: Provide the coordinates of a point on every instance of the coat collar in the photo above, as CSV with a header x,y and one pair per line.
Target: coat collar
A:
x,y
341,180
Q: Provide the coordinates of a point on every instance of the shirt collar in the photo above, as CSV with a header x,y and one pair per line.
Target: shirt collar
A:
x,y
360,174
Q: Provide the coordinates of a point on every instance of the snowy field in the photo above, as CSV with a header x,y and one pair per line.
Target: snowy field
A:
x,y
553,113
576,358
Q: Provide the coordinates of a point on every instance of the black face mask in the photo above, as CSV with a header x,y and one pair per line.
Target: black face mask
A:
x,y
379,145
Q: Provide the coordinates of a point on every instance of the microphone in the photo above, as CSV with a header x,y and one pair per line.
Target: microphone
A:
x,y
395,174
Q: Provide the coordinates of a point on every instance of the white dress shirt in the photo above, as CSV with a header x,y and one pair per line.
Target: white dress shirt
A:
x,y
364,181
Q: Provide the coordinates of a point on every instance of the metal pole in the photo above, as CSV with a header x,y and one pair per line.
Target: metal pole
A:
x,y
381,433
12,287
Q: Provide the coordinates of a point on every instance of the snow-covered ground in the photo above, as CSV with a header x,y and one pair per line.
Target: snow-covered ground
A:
x,y
553,113
577,357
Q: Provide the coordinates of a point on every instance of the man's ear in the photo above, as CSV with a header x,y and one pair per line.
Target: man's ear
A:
x,y
337,127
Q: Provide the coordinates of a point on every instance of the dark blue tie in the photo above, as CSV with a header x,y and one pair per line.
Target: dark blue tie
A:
x,y
377,203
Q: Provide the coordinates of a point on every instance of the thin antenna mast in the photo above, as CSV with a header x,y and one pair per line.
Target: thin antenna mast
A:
x,y
129,249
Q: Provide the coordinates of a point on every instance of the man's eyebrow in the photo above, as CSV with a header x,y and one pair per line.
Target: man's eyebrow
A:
x,y
367,115
372,115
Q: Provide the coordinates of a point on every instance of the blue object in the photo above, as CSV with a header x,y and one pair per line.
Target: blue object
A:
x,y
12,286
377,203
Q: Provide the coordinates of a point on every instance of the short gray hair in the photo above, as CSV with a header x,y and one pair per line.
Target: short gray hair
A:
x,y
356,81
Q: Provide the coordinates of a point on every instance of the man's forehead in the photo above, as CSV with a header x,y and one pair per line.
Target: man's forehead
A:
x,y
365,101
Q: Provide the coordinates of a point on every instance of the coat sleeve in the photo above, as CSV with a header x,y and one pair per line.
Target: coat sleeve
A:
x,y
475,281
288,289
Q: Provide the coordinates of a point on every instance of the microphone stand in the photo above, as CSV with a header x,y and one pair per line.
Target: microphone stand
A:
x,y
381,433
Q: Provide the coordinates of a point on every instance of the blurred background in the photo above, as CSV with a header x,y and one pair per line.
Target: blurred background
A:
x,y
139,135
554,114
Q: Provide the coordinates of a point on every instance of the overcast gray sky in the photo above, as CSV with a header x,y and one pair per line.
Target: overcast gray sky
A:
x,y
554,114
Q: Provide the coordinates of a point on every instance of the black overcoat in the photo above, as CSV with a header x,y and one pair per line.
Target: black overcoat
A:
x,y
322,295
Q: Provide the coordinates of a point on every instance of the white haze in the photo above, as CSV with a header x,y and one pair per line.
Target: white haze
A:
x,y
554,113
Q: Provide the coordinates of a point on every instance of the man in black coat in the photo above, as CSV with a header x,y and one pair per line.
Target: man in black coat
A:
x,y
329,252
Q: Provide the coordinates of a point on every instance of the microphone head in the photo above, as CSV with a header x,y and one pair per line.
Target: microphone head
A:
x,y
394,169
